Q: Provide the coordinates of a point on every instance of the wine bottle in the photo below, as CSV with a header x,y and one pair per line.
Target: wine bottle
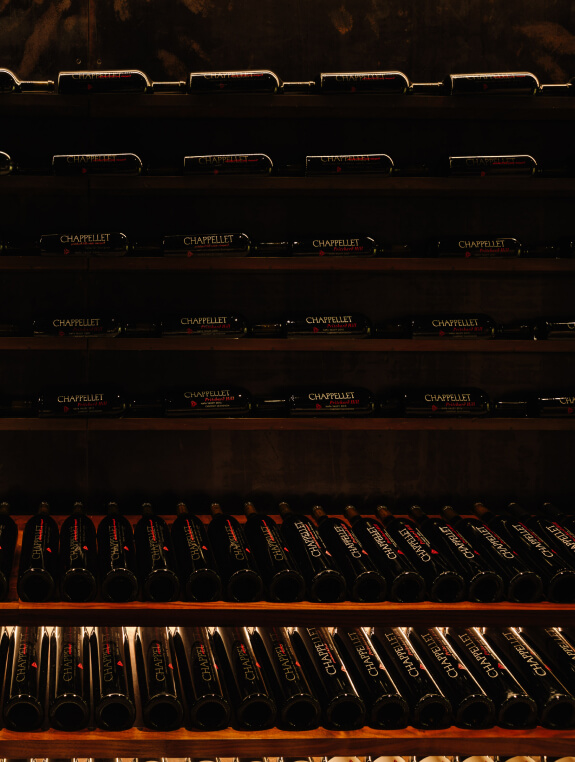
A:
x,y
83,327
556,706
557,651
522,584
482,583
282,580
228,164
298,708
70,688
514,706
387,758
325,401
26,679
472,707
114,707
555,405
473,758
499,166
342,246
405,584
112,81
9,83
256,81
38,569
446,403
207,401
228,326
478,247
97,164
560,540
558,577
327,325
324,581
497,83
466,326
78,557
342,706
254,707
364,582
161,706
431,758
8,537
234,560
349,164
386,707
206,245
116,557
443,584
566,520
6,164
555,328
93,244
196,565
96,401
381,82
206,696
156,561
430,708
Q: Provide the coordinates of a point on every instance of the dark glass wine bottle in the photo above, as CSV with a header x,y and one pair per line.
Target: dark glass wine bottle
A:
x,y
8,537
324,581
555,649
327,401
117,557
522,584
298,708
556,706
229,164
472,707
208,703
26,682
196,564
207,245
78,557
156,560
256,81
405,584
114,81
162,708
499,166
253,704
558,577
70,688
386,707
282,580
496,83
114,707
482,583
98,402
39,557
97,164
560,540
363,579
240,577
443,584
9,83
342,706
6,164
97,244
565,520
388,82
515,707
326,325
430,708
349,164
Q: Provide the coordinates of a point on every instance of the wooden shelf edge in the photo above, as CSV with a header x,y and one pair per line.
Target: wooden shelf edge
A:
x,y
140,742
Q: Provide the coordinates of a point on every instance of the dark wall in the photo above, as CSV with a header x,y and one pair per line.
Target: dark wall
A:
x,y
295,38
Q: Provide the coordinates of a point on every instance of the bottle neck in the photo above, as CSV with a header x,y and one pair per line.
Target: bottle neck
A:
x,y
182,509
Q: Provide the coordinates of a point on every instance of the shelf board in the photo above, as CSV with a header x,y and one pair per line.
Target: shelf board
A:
x,y
140,742
32,262
294,106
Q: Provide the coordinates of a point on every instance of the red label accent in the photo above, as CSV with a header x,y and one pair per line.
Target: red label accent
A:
x,y
120,664
317,406
338,169
80,666
89,86
467,254
66,251
434,407
193,404
190,254
170,666
34,665
84,170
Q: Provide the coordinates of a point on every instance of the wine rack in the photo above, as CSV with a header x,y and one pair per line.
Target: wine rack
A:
x,y
91,457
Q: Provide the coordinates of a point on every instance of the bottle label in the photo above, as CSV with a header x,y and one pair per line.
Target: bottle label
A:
x,y
405,656
555,406
102,82
208,401
97,164
205,325
325,657
461,402
206,245
534,664
328,325
234,164
499,545
309,537
457,541
99,403
359,246
416,542
387,545
504,83
96,244
373,163
368,659
486,660
392,82
260,81
76,327
559,329
443,655
516,164
478,247
529,536
342,402
455,327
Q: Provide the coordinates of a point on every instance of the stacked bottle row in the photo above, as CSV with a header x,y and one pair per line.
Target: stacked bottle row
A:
x,y
295,678
315,325
518,556
226,244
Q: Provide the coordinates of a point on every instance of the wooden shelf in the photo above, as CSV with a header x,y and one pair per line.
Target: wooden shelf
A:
x,y
140,742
